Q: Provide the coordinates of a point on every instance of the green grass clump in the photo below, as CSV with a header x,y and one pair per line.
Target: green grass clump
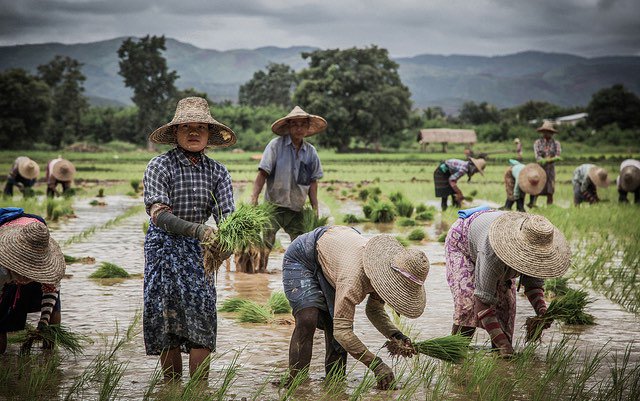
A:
x,y
251,312
427,215
406,222
442,237
367,210
417,235
404,207
363,194
109,270
383,212
403,241
243,228
554,287
278,303
310,221
350,219
232,304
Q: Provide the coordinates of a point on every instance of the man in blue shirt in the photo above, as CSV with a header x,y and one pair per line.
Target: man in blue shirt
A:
x,y
291,168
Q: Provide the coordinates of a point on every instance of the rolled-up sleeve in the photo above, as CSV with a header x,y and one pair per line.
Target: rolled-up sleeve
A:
x,y
224,196
156,185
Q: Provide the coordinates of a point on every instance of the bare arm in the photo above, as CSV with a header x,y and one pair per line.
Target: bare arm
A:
x,y
313,195
261,178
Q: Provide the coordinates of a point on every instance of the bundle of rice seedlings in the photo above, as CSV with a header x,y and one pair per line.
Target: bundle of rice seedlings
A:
x,y
278,303
54,334
568,309
367,210
451,348
421,208
383,212
363,194
404,207
555,287
135,185
251,312
145,226
396,197
417,235
109,270
442,237
68,259
350,219
403,241
243,228
427,215
473,192
232,304
310,221
406,222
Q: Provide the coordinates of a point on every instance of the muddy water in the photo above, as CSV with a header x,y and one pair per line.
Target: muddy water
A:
x,y
92,308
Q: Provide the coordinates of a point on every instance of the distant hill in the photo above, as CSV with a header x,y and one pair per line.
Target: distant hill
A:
x,y
434,80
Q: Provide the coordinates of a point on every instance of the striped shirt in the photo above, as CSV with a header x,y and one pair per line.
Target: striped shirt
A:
x,y
489,269
457,168
192,191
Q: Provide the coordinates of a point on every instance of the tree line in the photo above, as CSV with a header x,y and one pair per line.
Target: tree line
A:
x,y
358,90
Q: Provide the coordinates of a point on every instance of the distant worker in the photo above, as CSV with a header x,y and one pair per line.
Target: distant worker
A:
x,y
547,151
59,171
446,175
629,180
521,179
24,174
518,149
586,179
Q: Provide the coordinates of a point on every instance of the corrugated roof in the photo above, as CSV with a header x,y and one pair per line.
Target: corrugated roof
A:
x,y
448,135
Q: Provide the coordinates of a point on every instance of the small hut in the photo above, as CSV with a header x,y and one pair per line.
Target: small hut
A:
x,y
445,136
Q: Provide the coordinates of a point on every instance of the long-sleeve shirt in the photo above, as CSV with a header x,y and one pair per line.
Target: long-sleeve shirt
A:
x,y
516,168
457,168
50,294
544,148
15,173
581,177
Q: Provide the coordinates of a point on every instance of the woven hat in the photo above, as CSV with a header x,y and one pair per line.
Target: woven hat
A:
x,y
30,251
530,244
532,179
194,110
547,126
517,140
316,123
598,176
27,168
63,170
630,178
397,274
479,163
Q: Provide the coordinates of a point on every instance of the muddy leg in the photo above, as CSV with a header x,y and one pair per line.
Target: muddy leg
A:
x,y
171,362
550,199
301,345
196,358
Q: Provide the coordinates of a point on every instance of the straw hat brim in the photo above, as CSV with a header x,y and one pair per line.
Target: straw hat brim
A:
x,y
404,296
316,124
630,178
28,169
475,163
534,260
220,136
63,170
44,267
526,185
595,178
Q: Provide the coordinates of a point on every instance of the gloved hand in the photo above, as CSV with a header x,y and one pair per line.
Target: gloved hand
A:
x,y
384,375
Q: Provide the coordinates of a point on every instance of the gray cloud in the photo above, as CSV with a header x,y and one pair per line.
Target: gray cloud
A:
x,y
404,27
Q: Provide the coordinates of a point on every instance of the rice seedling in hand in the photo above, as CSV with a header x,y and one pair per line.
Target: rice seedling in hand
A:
x,y
568,309
232,304
451,348
555,287
109,270
52,334
278,303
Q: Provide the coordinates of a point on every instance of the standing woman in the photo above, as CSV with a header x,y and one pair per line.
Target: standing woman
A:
x,y
446,175
547,151
182,188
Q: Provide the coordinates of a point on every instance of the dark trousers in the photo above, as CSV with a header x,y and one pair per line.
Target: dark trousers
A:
x,y
622,196
11,182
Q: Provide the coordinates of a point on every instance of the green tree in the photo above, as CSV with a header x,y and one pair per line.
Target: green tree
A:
x,y
359,93
145,71
25,102
65,80
271,88
481,113
614,105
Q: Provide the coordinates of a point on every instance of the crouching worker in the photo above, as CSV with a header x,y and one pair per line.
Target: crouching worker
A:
x,y
447,174
23,175
330,270
586,179
485,251
31,267
59,172
629,181
521,179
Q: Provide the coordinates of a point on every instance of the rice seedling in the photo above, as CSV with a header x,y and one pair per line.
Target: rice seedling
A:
x,y
442,237
311,221
53,334
85,234
109,270
421,208
404,208
145,227
568,308
367,209
100,193
251,312
406,222
350,219
135,185
452,348
363,194
291,385
278,303
383,212
243,228
555,287
403,241
232,304
367,383
417,234
427,215
228,378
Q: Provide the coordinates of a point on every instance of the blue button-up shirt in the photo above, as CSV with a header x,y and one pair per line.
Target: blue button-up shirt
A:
x,y
192,191
290,173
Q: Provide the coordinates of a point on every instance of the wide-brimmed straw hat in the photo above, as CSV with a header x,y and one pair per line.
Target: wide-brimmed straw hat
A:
x,y
479,163
27,168
316,123
29,251
598,176
530,244
397,274
546,126
630,178
532,179
194,110
517,140
63,170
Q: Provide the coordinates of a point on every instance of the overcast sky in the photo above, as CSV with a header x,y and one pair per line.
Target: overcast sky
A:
x,y
404,27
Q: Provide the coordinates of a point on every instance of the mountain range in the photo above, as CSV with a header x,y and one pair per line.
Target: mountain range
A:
x,y
434,80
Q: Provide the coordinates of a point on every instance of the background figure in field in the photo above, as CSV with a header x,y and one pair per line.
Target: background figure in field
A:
x,y
547,151
518,149
519,180
629,180
182,189
484,252
31,267
291,168
59,171
447,174
586,179
24,174
327,272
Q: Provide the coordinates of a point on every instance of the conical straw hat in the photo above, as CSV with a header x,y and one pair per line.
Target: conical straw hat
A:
x,y
479,163
316,123
27,168
397,274
630,178
532,179
598,176
547,126
530,244
63,170
195,110
30,251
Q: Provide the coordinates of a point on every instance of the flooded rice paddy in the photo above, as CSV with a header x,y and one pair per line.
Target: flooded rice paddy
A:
x,y
95,308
